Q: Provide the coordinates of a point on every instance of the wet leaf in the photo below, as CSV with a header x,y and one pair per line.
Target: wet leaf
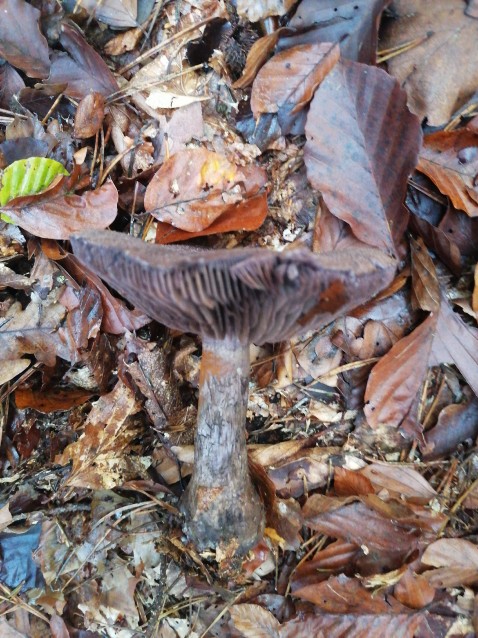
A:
x,y
404,481
21,42
356,121
456,560
444,34
44,401
62,215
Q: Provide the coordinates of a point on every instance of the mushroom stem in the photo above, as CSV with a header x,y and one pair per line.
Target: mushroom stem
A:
x,y
221,505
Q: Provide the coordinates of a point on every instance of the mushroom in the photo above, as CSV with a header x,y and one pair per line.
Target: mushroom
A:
x,y
232,298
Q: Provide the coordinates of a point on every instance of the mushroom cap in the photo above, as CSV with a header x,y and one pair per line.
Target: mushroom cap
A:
x,y
248,294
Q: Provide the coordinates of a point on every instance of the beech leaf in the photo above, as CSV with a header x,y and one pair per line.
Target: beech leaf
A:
x,y
62,215
21,42
288,80
362,144
253,621
28,177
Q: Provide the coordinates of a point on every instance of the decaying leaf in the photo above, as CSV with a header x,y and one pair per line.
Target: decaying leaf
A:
x,y
456,560
255,10
357,121
438,73
89,115
425,286
253,621
115,13
195,187
98,456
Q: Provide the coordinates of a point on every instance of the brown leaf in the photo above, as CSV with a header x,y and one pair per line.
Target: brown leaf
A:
x,y
21,42
348,483
404,481
33,330
384,625
119,14
11,83
98,457
357,120
425,286
248,215
450,160
456,423
195,187
84,71
342,595
352,23
255,10
447,37
59,217
457,560
397,377
253,621
50,401
123,42
474,298
287,83
89,115
359,524
413,590
117,319
256,58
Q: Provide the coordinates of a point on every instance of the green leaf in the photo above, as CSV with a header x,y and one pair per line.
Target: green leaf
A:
x,y
28,177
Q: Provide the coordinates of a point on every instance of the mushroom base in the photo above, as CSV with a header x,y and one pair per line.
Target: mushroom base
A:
x,y
221,505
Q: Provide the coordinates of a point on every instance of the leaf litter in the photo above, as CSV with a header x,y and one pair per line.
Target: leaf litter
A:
x,y
227,125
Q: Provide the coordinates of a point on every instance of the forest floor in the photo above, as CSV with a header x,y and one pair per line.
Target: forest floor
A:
x,y
279,124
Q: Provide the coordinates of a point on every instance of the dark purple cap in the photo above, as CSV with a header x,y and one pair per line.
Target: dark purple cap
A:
x,y
250,294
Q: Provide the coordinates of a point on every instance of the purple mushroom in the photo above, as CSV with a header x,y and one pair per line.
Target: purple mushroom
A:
x,y
232,298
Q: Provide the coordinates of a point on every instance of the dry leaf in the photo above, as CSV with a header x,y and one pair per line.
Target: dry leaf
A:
x,y
357,121
440,73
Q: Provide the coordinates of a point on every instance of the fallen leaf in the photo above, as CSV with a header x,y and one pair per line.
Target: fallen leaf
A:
x,y
355,625
123,42
342,595
256,58
255,10
63,215
446,36
352,23
89,115
195,187
21,41
425,286
98,457
404,481
397,377
286,84
413,590
357,120
253,621
118,14
248,215
456,560
456,423
450,160
82,69
11,83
